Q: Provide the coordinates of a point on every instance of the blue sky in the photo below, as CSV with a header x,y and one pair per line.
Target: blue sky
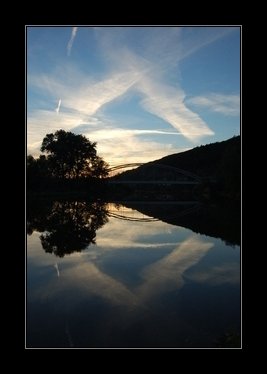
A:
x,y
140,92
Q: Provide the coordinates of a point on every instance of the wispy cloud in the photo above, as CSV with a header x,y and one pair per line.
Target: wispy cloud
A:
x,y
228,105
41,122
203,38
58,106
90,98
70,43
84,95
134,69
113,132
83,108
163,45
130,145
167,102
162,51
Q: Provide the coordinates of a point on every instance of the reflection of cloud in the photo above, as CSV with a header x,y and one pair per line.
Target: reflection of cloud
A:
x,y
84,272
226,273
162,276
119,234
85,279
56,266
93,286
167,273
92,280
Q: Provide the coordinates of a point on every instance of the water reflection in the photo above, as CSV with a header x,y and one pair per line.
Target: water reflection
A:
x,y
216,220
167,274
68,226
146,283
71,226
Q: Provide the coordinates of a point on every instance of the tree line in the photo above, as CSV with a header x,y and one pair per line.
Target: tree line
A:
x,y
67,157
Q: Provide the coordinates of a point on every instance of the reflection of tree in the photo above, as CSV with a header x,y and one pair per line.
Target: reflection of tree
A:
x,y
67,226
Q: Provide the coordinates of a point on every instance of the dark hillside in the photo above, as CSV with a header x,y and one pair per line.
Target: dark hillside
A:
x,y
206,160
218,165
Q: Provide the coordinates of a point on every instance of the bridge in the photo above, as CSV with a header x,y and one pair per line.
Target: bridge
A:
x,y
149,175
124,166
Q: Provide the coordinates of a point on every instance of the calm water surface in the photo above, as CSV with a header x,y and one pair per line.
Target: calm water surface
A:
x,y
104,275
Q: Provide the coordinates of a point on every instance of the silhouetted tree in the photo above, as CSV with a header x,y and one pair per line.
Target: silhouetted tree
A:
x,y
99,167
66,226
72,156
38,170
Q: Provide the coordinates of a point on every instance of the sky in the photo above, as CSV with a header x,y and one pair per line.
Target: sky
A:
x,y
141,93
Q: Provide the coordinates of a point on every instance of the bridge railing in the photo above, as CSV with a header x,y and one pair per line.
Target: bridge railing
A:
x,y
174,169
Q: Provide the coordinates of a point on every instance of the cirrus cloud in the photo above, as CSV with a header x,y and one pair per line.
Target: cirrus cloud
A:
x,y
136,70
70,43
228,105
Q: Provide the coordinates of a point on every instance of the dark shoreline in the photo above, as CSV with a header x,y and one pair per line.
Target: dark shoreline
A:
x,y
216,218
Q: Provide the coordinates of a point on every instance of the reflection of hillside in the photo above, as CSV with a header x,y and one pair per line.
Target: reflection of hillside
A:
x,y
66,226
217,221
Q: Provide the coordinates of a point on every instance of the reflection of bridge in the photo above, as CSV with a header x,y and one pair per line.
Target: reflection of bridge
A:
x,y
129,218
129,214
172,172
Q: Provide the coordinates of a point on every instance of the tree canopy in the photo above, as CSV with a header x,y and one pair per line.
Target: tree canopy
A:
x,y
72,156
70,162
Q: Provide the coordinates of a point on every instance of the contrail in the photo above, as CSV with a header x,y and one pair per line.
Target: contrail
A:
x,y
58,106
70,43
56,266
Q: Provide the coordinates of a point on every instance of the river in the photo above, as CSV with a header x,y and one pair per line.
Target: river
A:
x,y
139,275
